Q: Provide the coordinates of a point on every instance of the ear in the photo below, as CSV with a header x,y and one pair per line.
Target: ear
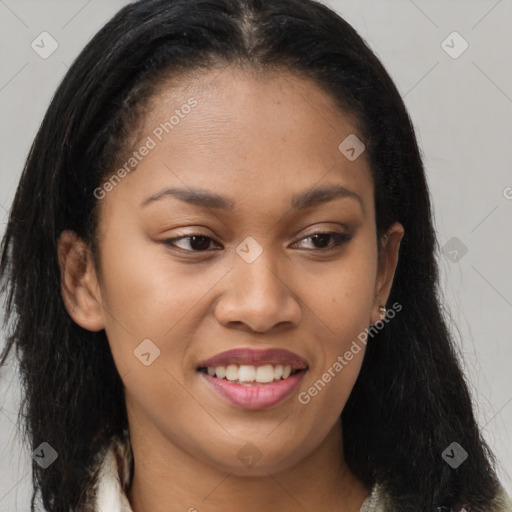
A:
x,y
388,260
79,284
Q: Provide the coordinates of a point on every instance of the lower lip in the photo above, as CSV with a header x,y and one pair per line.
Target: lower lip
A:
x,y
254,397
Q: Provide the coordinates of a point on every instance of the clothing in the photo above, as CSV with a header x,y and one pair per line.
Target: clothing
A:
x,y
114,480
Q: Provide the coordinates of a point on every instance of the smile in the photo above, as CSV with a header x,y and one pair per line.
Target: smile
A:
x,y
253,379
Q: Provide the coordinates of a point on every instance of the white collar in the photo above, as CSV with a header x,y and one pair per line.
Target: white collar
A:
x,y
114,475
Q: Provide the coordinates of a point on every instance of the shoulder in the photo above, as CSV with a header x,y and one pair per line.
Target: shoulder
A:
x,y
380,501
502,502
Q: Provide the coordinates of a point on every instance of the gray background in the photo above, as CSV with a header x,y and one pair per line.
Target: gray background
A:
x,y
461,108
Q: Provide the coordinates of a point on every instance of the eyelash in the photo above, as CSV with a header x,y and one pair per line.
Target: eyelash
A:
x,y
340,239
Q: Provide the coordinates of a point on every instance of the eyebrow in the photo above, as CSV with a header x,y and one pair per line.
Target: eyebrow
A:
x,y
301,201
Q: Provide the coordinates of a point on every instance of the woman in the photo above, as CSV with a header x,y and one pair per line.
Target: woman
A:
x,y
220,269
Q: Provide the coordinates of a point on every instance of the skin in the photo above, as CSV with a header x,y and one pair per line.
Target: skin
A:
x,y
258,141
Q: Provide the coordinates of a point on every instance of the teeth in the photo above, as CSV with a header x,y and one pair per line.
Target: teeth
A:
x,y
265,373
249,373
232,372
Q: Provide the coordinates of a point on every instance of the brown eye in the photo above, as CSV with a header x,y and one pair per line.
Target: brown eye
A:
x,y
198,242
322,238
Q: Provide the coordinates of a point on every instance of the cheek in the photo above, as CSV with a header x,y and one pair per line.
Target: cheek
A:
x,y
345,309
341,293
148,295
145,288
341,305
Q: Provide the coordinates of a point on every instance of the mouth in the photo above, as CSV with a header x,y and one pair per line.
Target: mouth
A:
x,y
254,379
247,366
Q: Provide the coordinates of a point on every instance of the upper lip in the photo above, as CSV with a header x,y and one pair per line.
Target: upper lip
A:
x,y
249,356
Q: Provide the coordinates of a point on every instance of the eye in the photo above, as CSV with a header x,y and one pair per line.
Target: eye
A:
x,y
198,242
321,237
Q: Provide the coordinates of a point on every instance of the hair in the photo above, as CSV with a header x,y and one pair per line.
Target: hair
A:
x,y
410,400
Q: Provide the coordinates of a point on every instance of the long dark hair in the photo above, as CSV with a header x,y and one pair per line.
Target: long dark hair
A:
x,y
410,401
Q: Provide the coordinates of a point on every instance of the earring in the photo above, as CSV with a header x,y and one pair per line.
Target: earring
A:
x,y
382,310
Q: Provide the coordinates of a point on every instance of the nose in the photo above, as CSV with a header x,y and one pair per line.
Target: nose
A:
x,y
258,297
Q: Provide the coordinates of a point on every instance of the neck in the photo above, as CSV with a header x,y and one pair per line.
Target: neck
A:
x,y
169,479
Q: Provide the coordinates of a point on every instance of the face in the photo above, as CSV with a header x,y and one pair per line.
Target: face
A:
x,y
243,229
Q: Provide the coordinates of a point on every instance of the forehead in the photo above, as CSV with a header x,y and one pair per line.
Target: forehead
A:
x,y
253,135
234,105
